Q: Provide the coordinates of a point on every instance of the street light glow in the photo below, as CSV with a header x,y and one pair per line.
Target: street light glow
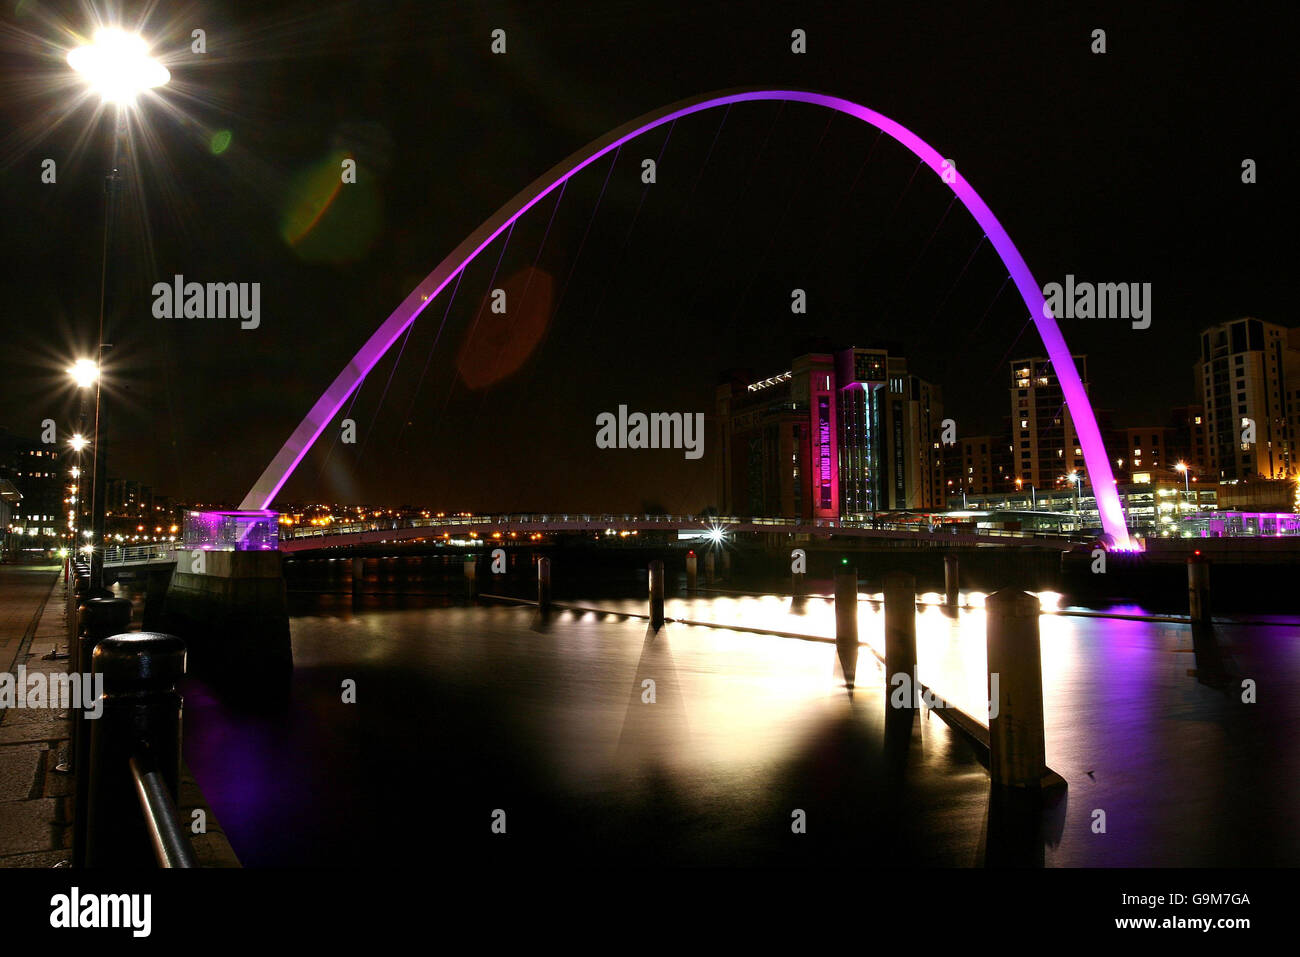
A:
x,y
117,65
84,372
78,442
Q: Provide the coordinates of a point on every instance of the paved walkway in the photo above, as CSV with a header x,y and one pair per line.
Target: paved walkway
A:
x,y
35,799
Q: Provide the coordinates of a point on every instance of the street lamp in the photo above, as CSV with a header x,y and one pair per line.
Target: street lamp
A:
x,y
84,373
1033,493
1187,481
116,65
1077,480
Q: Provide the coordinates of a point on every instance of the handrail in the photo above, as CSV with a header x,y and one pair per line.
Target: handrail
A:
x,y
170,845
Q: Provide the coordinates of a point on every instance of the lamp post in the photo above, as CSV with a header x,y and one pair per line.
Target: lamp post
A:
x,y
84,373
1033,493
1077,481
1187,481
117,66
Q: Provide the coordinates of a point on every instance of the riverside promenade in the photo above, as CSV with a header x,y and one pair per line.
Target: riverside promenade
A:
x,y
36,804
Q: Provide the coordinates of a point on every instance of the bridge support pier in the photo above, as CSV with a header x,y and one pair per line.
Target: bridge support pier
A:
x,y
1198,589
692,574
846,623
710,561
358,575
470,567
544,584
232,611
656,594
1017,751
900,631
951,581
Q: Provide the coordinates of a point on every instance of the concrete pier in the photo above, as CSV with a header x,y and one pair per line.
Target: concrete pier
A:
x,y
544,584
1198,588
846,622
900,629
692,570
231,610
951,581
1017,752
656,594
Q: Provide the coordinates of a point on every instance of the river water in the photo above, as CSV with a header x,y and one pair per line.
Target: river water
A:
x,y
752,749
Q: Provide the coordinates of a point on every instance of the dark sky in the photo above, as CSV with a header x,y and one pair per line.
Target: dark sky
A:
x,y
1122,167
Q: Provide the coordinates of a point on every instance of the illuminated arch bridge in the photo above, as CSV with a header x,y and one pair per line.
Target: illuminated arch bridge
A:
x,y
331,401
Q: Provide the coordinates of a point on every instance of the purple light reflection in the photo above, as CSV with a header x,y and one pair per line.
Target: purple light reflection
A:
x,y
328,405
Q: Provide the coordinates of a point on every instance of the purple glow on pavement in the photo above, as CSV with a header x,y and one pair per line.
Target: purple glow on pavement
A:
x,y
327,406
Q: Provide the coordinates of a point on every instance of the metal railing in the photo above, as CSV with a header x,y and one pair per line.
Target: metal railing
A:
x,y
140,554
171,847
568,521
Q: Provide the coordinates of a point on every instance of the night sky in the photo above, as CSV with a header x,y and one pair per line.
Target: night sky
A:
x,y
1121,167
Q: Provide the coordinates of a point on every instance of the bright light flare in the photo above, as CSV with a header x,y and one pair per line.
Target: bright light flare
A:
x,y
84,372
78,442
117,65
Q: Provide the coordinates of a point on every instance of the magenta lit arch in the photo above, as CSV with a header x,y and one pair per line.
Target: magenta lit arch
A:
x,y
329,404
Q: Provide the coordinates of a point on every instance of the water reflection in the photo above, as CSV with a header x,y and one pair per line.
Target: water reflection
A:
x,y
465,709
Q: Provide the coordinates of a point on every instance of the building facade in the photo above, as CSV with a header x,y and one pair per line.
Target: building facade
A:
x,y
1045,443
1249,378
843,434
38,516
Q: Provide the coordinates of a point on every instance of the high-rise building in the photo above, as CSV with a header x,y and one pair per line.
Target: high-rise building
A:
x,y
38,518
841,434
1045,443
978,465
1249,378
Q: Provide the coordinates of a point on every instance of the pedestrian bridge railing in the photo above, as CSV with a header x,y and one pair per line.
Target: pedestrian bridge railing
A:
x,y
573,521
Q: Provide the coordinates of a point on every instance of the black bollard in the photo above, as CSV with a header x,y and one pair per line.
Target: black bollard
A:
x,y
141,719
656,594
99,619
846,622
